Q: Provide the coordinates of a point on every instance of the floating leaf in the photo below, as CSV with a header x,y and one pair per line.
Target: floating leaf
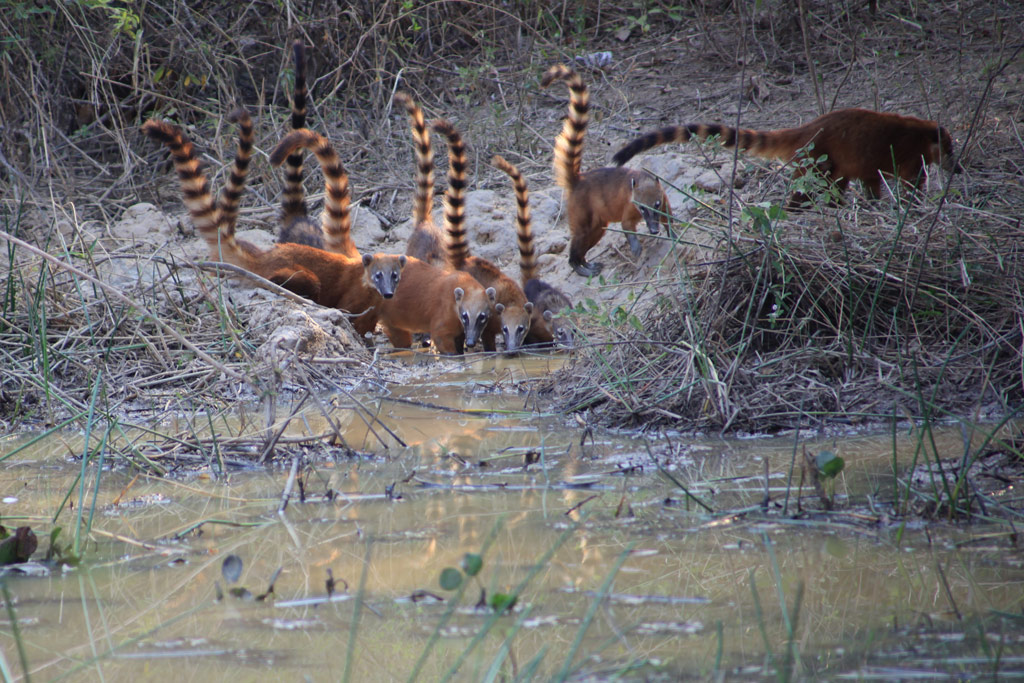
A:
x,y
829,464
242,593
231,568
451,578
472,563
502,602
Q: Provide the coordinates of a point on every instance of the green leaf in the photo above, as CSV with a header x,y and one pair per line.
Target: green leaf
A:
x,y
502,602
829,464
451,578
472,563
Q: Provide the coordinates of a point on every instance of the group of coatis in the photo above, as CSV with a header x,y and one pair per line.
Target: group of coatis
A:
x,y
437,287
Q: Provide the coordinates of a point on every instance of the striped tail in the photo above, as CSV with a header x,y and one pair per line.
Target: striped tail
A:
x,y
753,141
336,221
524,226
569,143
455,195
195,187
231,193
424,199
293,199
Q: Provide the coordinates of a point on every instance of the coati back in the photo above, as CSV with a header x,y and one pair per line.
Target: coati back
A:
x,y
512,307
296,225
327,279
427,241
546,325
604,195
859,144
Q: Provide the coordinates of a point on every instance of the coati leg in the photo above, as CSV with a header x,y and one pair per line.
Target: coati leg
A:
x,y
400,339
586,232
629,223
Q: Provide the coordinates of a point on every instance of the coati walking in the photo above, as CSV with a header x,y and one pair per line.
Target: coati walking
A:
x,y
546,323
328,279
603,195
512,307
427,242
858,144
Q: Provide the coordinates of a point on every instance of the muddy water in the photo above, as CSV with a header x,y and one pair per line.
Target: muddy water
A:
x,y
864,595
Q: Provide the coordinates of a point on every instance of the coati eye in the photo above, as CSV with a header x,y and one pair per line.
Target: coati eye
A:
x,y
465,318
519,330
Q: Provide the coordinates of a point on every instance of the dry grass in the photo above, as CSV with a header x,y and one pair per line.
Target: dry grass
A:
x,y
858,322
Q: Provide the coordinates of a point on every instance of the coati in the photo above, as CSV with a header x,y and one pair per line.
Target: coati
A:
x,y
383,271
546,323
603,195
858,144
513,309
427,242
449,305
328,279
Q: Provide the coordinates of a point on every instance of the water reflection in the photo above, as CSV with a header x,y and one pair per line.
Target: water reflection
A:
x,y
143,604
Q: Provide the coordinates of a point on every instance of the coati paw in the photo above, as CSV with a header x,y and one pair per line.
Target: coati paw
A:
x,y
587,269
634,244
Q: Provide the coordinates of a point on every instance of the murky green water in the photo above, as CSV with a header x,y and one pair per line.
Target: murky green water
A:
x,y
865,596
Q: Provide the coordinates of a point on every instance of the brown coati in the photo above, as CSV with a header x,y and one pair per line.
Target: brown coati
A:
x,y
858,144
383,270
327,279
426,242
450,306
513,309
603,195
546,322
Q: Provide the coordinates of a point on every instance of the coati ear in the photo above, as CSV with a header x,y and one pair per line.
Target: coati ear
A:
x,y
499,308
529,307
459,293
367,259
402,260
490,293
549,315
